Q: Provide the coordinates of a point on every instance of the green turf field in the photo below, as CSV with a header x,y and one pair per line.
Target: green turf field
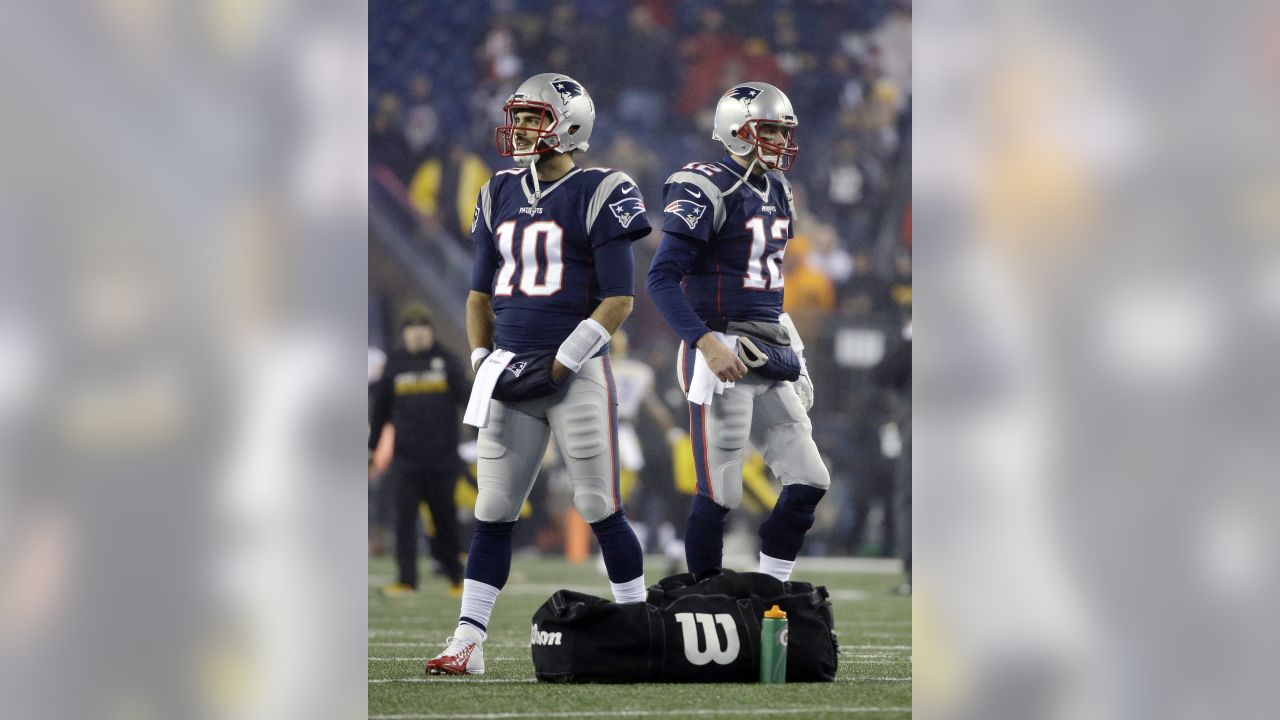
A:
x,y
874,679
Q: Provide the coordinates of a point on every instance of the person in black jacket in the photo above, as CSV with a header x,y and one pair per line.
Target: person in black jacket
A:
x,y
420,393
894,374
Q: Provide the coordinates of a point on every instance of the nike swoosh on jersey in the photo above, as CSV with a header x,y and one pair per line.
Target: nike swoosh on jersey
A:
x,y
626,190
695,194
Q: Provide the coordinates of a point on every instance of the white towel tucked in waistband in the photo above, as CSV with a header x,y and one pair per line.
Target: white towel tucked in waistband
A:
x,y
704,385
482,390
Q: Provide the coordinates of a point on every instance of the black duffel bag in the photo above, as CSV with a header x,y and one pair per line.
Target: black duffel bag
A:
x,y
704,629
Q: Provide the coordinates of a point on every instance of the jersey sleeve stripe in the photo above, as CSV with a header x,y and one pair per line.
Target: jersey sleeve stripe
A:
x,y
603,191
486,206
708,187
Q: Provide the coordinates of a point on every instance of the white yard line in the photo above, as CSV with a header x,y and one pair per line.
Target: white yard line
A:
x,y
422,658
736,712
379,681
447,679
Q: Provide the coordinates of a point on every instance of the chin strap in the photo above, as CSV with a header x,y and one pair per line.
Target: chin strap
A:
x,y
743,179
537,187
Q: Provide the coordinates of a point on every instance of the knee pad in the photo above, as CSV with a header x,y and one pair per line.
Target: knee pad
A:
x,y
495,507
592,506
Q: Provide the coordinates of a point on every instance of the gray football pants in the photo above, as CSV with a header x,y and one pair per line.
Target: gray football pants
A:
x,y
583,416
764,412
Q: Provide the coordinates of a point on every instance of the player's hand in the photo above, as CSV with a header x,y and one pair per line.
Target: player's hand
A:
x,y
804,388
722,361
558,372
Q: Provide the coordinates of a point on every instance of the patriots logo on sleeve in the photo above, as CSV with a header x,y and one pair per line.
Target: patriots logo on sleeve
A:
x,y
687,210
568,89
475,219
627,209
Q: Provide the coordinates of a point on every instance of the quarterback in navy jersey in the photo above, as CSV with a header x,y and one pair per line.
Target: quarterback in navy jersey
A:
x,y
552,281
726,225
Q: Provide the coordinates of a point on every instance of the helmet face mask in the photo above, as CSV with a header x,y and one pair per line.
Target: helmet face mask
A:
x,y
511,135
775,156
567,117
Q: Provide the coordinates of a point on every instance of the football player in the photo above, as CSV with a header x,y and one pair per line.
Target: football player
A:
x,y
741,363
552,281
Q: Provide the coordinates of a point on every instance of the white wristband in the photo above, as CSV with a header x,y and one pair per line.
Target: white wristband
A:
x,y
477,356
584,342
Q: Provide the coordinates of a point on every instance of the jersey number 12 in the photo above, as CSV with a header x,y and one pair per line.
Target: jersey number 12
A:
x,y
757,261
545,233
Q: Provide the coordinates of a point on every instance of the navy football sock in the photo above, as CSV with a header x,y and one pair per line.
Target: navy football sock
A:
x,y
490,558
704,535
623,558
782,534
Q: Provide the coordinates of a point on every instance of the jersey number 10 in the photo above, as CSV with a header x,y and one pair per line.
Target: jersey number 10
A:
x,y
757,261
549,262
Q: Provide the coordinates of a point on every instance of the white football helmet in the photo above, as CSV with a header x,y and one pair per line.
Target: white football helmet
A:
x,y
738,115
570,108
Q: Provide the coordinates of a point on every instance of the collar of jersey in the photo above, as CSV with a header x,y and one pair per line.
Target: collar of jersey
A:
x,y
546,189
736,169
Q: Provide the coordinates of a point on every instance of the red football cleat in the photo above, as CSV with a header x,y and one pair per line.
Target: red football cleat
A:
x,y
461,657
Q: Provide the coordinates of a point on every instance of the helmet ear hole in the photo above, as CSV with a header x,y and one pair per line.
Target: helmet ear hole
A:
x,y
573,129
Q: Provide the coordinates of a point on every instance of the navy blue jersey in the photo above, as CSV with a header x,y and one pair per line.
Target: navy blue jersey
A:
x,y
548,268
740,238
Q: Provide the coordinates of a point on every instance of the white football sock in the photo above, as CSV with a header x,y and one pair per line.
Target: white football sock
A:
x,y
776,567
629,591
470,633
477,603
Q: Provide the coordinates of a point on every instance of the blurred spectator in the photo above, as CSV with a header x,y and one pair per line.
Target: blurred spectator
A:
x,y
806,287
786,39
422,128
642,165
760,65
893,48
387,145
827,255
645,73
498,53
845,178
421,393
901,287
446,188
706,56
894,374
865,293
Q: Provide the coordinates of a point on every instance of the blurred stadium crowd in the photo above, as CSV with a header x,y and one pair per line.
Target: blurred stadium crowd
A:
x,y
439,74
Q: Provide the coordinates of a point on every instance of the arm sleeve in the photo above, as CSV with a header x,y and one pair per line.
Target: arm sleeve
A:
x,y
459,388
674,260
382,397
615,267
486,264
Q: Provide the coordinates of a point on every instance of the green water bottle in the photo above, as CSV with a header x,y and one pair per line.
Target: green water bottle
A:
x,y
773,646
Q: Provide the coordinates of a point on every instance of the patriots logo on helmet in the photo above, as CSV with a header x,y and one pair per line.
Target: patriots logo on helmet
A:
x,y
627,209
687,210
568,89
745,93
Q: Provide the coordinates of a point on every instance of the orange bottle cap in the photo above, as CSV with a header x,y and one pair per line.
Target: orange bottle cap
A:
x,y
775,612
